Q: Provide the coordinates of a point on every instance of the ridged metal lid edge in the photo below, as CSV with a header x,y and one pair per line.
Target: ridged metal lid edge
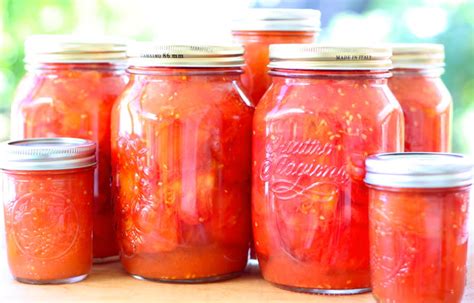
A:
x,y
418,55
74,49
419,170
329,57
47,154
151,54
280,19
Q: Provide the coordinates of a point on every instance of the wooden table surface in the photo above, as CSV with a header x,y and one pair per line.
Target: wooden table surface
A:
x,y
108,283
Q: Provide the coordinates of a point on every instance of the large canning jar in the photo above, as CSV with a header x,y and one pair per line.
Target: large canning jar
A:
x,y
425,100
47,195
418,226
181,141
326,111
258,28
69,89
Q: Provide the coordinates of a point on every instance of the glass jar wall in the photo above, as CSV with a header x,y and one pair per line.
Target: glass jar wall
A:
x,y
418,226
68,91
181,145
47,197
261,27
326,111
425,100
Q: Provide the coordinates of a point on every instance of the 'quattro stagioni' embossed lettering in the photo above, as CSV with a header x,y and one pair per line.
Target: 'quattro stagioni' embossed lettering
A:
x,y
285,172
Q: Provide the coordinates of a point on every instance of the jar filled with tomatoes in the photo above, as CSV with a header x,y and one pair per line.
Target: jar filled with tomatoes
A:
x,y
327,109
256,29
181,141
425,100
418,226
48,197
68,91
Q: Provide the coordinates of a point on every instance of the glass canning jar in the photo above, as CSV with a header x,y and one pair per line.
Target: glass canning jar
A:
x,y
425,100
327,109
256,29
47,194
181,140
418,215
69,89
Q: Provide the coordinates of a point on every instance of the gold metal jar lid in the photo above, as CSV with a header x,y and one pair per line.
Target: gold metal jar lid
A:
x,y
74,49
279,19
424,55
329,57
150,54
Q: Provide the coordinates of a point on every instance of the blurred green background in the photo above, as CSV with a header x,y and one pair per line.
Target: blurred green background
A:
x,y
352,21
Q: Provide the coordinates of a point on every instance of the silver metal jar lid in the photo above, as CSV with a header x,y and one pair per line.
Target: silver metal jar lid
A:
x,y
329,57
151,54
47,154
279,19
418,55
419,170
74,49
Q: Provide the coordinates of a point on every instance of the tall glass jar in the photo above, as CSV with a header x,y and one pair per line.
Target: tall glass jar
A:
x,y
326,111
419,226
181,141
258,28
425,100
47,194
68,91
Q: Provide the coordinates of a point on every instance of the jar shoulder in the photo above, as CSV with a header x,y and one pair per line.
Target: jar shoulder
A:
x,y
86,88
421,92
184,98
371,100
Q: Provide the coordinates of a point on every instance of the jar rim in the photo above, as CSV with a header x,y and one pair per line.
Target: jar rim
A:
x,y
329,57
47,154
419,170
277,19
74,49
149,54
418,55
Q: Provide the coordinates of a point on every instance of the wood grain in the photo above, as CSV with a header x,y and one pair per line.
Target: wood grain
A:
x,y
108,283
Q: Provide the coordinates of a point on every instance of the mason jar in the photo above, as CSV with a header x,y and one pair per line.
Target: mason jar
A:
x,y
418,215
425,100
328,108
68,91
256,29
181,142
48,194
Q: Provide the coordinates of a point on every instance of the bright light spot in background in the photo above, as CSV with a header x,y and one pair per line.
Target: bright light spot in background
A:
x,y
89,21
467,125
374,27
52,18
205,21
449,2
6,80
4,134
6,84
268,3
426,22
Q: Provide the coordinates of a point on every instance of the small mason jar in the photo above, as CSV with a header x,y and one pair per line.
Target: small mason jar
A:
x,y
69,89
48,194
425,100
181,143
258,28
328,109
418,226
